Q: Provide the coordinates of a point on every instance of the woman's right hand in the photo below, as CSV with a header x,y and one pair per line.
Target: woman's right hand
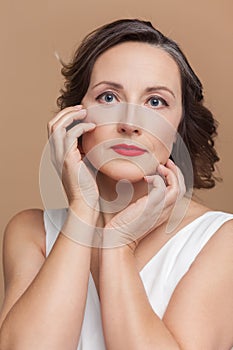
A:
x,y
77,179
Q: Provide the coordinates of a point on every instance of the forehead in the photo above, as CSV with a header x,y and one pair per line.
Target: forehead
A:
x,y
137,62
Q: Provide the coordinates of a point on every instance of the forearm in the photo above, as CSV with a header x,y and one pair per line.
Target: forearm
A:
x,y
49,314
128,319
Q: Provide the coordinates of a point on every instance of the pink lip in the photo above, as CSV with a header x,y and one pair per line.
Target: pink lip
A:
x,y
128,150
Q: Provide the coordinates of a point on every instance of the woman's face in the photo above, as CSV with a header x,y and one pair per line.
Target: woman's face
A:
x,y
139,74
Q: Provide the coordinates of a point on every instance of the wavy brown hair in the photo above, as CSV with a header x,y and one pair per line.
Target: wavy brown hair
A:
x,y
197,127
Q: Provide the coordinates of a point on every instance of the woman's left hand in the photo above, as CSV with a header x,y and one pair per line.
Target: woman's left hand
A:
x,y
139,219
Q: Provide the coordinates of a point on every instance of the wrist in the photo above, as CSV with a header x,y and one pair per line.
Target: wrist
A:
x,y
80,227
114,238
120,254
83,211
116,258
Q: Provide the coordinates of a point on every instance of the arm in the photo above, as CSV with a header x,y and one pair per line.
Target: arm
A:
x,y
128,319
45,299
199,315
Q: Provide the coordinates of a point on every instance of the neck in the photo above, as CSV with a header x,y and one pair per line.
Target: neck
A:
x,y
117,195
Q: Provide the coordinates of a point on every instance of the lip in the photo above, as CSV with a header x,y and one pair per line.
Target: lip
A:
x,y
128,150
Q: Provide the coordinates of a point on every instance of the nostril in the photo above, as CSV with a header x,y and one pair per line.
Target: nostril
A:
x,y
129,129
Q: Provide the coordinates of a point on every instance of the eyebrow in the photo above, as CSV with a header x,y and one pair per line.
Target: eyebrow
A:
x,y
111,83
120,87
156,88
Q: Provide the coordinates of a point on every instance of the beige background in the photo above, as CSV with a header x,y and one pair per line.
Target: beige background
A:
x,y
30,78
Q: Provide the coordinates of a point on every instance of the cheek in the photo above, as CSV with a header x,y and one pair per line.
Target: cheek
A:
x,y
163,133
160,150
87,142
93,138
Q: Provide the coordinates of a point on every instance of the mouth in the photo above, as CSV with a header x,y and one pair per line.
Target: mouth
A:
x,y
128,150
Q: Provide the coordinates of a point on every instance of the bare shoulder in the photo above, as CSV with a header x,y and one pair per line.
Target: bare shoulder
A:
x,y
227,228
203,297
26,227
23,254
24,238
221,243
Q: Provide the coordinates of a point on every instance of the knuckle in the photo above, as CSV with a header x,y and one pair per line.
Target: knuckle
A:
x,y
161,188
49,127
159,182
175,193
182,191
69,142
53,128
49,124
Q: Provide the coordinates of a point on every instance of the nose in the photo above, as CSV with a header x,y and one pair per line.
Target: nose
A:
x,y
128,129
127,124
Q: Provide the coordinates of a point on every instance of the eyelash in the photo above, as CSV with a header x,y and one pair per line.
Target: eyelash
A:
x,y
162,100
98,98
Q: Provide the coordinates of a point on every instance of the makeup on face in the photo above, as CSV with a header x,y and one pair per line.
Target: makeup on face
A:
x,y
136,117
134,98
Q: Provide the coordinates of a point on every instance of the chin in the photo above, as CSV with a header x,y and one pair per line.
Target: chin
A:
x,y
119,170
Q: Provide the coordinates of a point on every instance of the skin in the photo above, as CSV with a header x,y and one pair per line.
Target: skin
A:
x,y
155,69
115,271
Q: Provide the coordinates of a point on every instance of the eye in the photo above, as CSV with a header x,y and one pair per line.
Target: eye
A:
x,y
157,102
106,97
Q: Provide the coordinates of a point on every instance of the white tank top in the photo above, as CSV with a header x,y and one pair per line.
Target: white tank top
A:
x,y
159,276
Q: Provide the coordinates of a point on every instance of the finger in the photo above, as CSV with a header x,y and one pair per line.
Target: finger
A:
x,y
62,125
61,115
61,148
170,164
157,193
146,210
70,141
158,205
175,183
59,131
168,174
64,111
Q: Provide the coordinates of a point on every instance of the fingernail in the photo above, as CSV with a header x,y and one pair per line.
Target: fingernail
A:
x,y
78,107
82,113
171,161
160,168
148,178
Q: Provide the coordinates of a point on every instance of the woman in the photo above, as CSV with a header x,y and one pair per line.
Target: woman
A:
x,y
147,289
